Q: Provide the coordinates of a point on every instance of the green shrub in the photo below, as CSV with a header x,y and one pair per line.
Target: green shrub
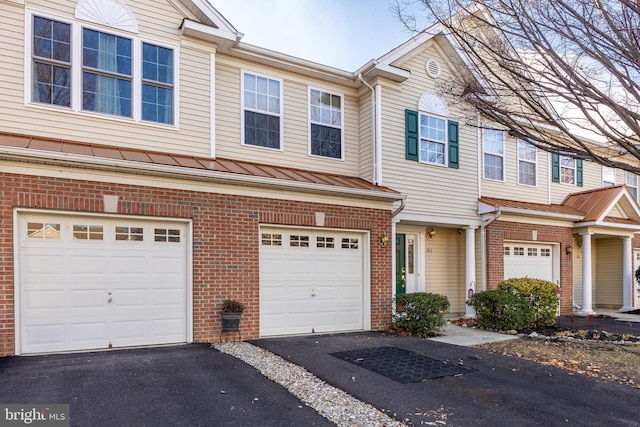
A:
x,y
420,313
541,295
638,275
502,310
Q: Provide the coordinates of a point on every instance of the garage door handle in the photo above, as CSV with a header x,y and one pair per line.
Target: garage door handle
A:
x,y
109,300
313,292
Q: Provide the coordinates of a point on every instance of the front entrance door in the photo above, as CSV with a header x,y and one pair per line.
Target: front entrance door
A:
x,y
406,275
401,271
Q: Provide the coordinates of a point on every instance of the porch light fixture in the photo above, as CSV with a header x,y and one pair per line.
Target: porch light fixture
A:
x,y
431,233
569,249
384,240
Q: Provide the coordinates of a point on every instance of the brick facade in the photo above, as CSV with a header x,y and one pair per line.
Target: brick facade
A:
x,y
500,231
225,241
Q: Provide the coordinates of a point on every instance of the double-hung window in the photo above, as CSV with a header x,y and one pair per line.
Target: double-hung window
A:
x,y
262,105
567,170
433,139
51,62
157,83
527,163
325,116
632,183
608,176
106,73
493,146
108,80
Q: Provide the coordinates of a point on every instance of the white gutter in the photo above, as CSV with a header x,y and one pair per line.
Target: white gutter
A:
x,y
166,171
376,130
483,246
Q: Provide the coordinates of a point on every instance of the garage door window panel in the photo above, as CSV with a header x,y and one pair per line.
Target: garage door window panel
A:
x,y
269,239
349,243
133,234
88,232
299,241
325,242
40,230
167,235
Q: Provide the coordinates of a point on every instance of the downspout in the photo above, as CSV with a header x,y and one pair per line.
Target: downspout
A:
x,y
483,246
376,131
397,211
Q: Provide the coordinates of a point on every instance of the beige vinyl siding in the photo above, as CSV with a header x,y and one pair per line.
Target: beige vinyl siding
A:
x,y
432,189
510,189
12,63
295,115
445,267
158,22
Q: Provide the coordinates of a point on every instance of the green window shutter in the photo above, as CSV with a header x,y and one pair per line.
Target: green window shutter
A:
x,y
454,161
412,136
579,173
555,168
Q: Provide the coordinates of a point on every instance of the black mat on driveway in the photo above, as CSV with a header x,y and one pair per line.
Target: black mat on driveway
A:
x,y
404,366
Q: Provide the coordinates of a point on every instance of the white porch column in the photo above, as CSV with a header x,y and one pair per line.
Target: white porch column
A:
x,y
470,268
587,284
627,275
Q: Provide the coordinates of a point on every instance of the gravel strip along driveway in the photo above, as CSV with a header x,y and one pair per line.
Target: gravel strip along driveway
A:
x,y
330,402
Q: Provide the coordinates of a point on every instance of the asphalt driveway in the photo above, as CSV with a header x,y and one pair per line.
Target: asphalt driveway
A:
x,y
195,385
502,392
190,385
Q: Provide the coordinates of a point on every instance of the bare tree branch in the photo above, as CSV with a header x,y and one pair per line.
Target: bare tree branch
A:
x,y
562,74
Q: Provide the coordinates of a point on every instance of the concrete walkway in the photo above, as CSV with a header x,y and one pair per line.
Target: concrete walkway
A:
x,y
468,337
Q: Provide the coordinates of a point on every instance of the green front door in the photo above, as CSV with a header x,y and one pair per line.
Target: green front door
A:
x,y
401,277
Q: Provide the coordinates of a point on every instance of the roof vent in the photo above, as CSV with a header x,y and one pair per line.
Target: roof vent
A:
x,y
433,68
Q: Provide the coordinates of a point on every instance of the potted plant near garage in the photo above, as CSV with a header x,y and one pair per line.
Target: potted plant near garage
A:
x,y
231,313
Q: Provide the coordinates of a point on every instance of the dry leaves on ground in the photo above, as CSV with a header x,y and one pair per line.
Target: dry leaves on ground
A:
x,y
610,361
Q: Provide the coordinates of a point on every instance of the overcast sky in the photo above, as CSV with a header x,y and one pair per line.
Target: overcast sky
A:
x,y
340,33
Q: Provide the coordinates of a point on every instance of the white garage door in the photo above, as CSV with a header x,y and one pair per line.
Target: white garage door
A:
x,y
310,281
90,282
528,259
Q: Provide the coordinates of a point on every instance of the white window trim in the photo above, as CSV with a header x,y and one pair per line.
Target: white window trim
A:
x,y
574,168
242,109
535,163
632,188
342,142
503,156
76,71
445,142
614,177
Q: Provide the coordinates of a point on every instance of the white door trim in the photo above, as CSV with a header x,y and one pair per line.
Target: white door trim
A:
x,y
420,258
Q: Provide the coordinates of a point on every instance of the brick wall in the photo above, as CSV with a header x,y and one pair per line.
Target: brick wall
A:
x,y
499,231
225,241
